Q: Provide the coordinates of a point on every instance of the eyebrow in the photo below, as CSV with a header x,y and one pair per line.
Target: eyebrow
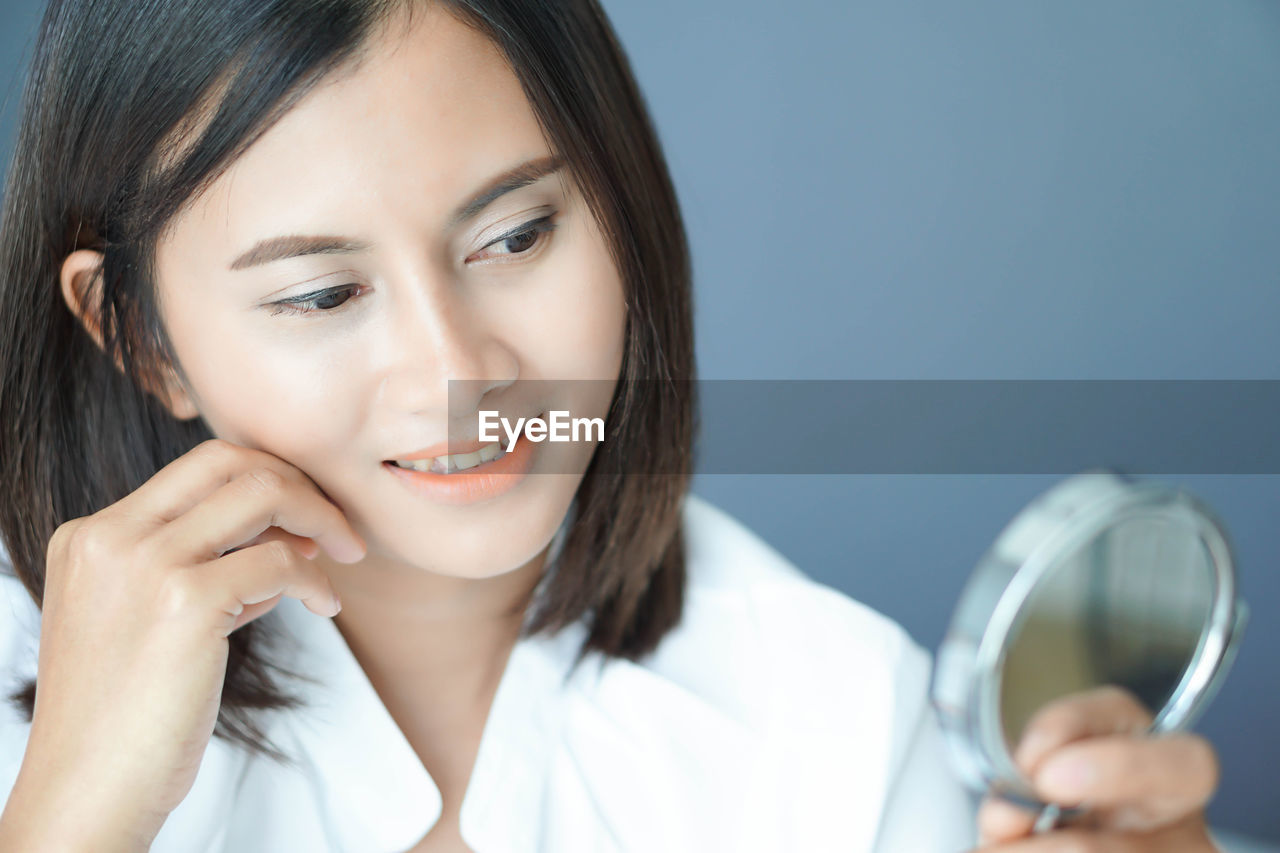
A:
x,y
294,245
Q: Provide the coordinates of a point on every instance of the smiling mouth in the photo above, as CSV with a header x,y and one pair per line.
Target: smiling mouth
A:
x,y
452,462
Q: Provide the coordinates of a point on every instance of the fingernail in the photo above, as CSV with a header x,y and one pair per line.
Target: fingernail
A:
x,y
345,551
1067,776
337,604
355,551
1033,745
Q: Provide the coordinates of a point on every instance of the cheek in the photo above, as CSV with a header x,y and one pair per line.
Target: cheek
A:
x,y
586,341
578,325
268,393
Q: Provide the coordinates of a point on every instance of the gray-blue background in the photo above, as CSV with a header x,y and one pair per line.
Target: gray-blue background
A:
x,y
926,189
929,189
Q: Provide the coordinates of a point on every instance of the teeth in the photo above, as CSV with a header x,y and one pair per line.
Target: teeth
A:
x,y
453,461
461,461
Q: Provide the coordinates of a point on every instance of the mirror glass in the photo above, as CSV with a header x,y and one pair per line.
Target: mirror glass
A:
x,y
1127,608
1103,581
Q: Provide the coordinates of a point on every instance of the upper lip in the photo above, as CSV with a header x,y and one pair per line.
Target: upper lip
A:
x,y
442,448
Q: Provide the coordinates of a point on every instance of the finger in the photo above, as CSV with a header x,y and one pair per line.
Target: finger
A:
x,y
1105,710
253,611
1074,840
177,487
307,547
268,571
1189,836
1149,780
1001,820
248,506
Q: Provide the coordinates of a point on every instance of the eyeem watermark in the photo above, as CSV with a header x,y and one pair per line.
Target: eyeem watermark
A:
x,y
537,429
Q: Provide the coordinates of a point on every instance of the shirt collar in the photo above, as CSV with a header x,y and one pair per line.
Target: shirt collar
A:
x,y
376,792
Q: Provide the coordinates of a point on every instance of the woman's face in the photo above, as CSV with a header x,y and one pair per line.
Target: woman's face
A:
x,y
378,159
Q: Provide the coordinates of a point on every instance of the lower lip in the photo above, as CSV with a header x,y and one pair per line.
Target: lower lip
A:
x,y
483,482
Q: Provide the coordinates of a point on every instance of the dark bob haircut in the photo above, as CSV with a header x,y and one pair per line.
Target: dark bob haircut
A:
x,y
115,85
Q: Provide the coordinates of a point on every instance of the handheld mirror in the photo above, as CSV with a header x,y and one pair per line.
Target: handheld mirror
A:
x,y
1102,580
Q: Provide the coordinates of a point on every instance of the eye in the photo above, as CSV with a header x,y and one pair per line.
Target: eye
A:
x,y
321,299
523,240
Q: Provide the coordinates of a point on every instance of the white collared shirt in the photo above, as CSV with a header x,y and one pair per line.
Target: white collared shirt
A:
x,y
780,715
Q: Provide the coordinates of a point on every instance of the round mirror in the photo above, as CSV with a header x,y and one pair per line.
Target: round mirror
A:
x,y
1101,581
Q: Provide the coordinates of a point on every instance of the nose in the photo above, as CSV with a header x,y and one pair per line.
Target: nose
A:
x,y
442,353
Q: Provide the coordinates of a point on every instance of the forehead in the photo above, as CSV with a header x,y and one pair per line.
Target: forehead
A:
x,y
430,111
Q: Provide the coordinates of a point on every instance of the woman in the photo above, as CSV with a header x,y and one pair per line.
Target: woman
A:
x,y
260,260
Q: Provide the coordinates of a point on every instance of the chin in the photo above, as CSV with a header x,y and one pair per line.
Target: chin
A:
x,y
474,542
485,549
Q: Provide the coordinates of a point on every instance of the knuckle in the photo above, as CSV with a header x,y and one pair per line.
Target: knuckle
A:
x,y
214,449
180,594
146,552
92,542
60,537
264,481
278,553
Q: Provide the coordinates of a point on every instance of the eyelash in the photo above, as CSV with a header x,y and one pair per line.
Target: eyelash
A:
x,y
539,227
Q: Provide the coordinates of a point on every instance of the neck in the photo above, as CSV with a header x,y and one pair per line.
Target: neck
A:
x,y
447,634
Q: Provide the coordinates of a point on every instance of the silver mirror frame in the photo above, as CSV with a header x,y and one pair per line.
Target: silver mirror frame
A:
x,y
967,675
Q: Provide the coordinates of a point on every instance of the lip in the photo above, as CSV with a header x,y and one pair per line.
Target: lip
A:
x,y
453,447
443,448
483,482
